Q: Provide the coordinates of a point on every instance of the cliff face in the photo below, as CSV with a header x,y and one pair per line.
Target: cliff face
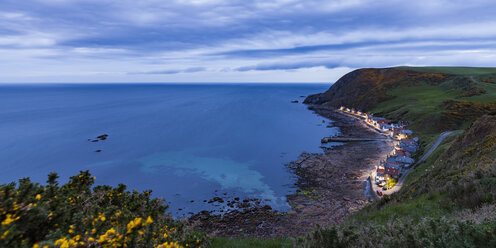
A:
x,y
364,88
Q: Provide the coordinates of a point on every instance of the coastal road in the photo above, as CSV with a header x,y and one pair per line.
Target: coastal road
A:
x,y
426,155
433,148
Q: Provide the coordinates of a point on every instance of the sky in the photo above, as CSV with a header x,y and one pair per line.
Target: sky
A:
x,y
237,40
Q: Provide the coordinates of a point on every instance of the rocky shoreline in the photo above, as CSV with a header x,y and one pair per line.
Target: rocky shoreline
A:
x,y
331,185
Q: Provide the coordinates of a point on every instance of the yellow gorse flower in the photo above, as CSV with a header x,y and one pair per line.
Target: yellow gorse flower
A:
x,y
133,224
169,245
149,220
10,218
38,197
62,242
111,238
4,235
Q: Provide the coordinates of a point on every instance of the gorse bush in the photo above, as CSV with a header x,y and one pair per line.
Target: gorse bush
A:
x,y
79,215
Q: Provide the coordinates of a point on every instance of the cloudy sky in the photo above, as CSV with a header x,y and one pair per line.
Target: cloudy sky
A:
x,y
236,40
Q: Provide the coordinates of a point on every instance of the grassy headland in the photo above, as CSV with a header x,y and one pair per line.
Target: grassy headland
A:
x,y
432,99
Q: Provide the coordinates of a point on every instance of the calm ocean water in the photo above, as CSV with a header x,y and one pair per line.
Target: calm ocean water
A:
x,y
185,142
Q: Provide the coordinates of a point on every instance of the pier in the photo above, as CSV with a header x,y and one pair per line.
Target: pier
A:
x,y
345,139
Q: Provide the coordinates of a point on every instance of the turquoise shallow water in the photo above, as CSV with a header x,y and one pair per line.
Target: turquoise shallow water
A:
x,y
184,142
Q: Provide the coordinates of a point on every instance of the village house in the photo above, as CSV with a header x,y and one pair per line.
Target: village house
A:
x,y
372,120
405,160
341,108
380,123
391,169
402,153
377,119
385,127
396,133
408,142
380,169
406,147
402,160
403,123
379,175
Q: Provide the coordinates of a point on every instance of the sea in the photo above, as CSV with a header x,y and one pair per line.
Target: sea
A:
x,y
186,142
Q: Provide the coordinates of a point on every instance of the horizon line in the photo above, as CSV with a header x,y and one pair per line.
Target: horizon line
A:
x,y
13,83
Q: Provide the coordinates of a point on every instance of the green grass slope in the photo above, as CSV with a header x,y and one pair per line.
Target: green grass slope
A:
x,y
452,70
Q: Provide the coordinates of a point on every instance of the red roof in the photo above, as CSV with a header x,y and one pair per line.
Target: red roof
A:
x,y
391,163
392,171
384,121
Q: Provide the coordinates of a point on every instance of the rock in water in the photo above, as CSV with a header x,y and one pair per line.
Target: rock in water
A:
x,y
102,137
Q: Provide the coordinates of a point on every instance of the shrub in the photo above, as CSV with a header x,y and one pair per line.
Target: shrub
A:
x,y
77,215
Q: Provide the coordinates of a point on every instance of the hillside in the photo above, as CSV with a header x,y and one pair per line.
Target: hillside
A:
x,y
433,99
449,200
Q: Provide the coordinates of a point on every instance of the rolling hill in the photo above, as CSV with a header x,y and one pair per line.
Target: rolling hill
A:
x,y
449,200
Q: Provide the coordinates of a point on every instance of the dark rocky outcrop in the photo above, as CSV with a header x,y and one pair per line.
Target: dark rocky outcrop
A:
x,y
102,137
